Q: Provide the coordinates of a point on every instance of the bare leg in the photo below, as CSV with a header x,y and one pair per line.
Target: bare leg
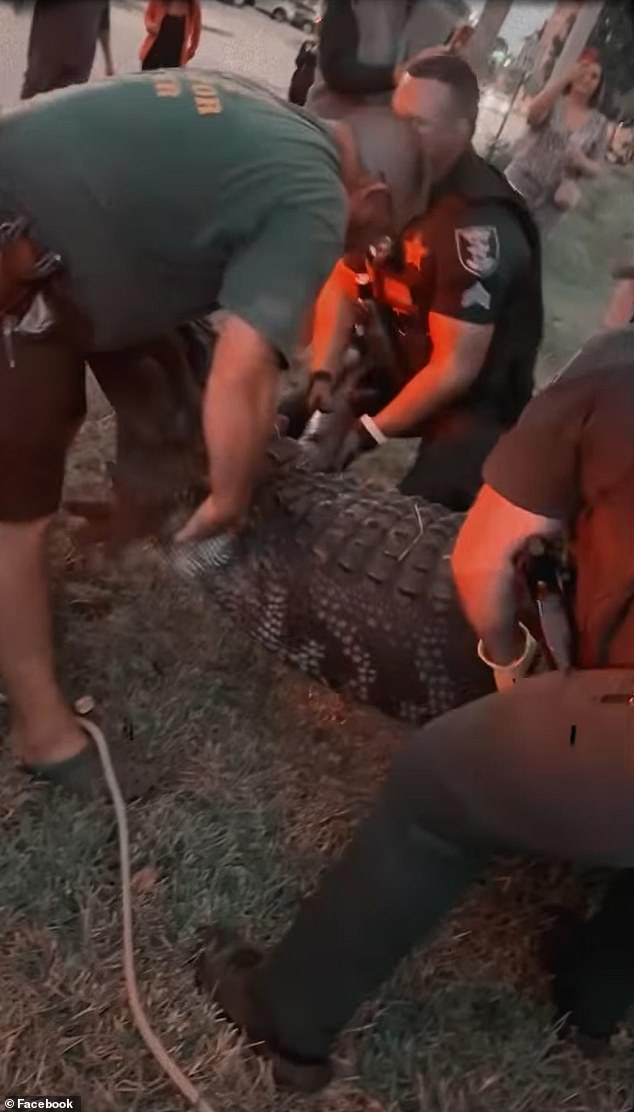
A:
x,y
42,404
44,729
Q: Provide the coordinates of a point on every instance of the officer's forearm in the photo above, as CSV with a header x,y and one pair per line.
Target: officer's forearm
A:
x,y
489,602
493,534
486,589
437,385
238,413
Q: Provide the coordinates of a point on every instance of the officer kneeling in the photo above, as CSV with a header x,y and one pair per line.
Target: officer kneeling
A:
x,y
543,767
463,297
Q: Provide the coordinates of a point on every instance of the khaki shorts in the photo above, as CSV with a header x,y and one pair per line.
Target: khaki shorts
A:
x,y
155,392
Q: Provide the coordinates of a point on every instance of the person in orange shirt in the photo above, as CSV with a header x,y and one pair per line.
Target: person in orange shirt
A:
x,y
173,36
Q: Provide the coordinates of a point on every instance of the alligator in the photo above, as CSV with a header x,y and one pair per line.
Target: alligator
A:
x,y
349,582
353,584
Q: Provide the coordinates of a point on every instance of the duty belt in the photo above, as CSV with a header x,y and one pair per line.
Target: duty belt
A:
x,y
549,580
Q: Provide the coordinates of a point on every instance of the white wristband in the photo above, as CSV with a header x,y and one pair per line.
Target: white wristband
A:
x,y
508,674
373,429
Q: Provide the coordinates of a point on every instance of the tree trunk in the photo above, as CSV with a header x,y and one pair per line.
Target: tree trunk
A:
x,y
580,32
488,28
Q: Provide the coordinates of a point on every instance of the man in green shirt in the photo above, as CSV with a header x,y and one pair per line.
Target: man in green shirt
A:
x,y
127,209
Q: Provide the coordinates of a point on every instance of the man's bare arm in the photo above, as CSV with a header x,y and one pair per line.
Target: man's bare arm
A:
x,y
239,408
483,564
334,319
459,351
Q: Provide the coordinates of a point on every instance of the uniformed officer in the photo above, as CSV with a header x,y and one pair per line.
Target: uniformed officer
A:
x,y
465,296
543,767
108,244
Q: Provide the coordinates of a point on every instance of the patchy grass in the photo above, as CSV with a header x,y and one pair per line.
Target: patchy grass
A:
x,y
578,258
264,775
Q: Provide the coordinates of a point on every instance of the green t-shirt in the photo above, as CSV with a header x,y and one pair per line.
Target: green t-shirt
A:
x,y
173,192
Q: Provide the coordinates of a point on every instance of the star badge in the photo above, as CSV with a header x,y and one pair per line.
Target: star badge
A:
x,y
415,251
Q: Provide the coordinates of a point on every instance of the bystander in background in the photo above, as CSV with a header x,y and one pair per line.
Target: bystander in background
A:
x,y
173,33
304,72
63,42
565,141
366,45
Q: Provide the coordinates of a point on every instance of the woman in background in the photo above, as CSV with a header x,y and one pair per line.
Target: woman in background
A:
x,y
566,140
304,72
173,33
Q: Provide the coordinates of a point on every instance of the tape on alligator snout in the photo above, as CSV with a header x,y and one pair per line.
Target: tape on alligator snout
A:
x,y
197,558
313,427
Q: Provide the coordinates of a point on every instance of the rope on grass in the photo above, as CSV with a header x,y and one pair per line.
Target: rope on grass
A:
x,y
153,1043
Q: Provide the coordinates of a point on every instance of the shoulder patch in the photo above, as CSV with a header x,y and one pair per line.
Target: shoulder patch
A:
x,y
478,249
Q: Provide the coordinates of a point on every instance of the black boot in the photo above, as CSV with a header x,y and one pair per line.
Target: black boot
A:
x,y
592,962
225,969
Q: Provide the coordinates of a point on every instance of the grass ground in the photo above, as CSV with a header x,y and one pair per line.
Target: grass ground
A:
x,y
263,777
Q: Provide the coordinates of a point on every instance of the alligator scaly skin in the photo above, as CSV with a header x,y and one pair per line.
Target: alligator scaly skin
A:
x,y
351,584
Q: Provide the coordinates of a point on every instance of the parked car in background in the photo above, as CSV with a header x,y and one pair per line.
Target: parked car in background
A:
x,y
307,17
303,14
299,13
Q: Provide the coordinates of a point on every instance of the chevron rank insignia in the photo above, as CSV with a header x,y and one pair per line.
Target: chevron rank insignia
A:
x,y
476,295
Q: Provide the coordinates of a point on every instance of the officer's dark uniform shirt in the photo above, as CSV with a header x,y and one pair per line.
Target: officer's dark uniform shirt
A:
x,y
571,457
469,260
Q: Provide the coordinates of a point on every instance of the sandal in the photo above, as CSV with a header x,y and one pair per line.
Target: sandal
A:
x,y
83,775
